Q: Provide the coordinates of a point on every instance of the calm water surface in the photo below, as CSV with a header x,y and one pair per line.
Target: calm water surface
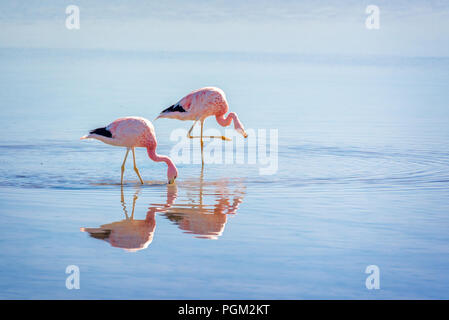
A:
x,y
362,179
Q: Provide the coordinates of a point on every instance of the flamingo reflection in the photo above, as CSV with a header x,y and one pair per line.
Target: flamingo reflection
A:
x,y
205,211
131,234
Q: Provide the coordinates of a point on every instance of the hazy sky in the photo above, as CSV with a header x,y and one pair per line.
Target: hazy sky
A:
x,y
323,26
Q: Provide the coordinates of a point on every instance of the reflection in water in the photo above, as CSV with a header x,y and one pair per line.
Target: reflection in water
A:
x,y
202,210
130,234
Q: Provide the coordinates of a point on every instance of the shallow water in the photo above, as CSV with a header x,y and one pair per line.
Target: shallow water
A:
x,y
362,179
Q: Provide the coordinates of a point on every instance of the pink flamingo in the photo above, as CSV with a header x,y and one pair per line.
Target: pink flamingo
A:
x,y
133,132
200,104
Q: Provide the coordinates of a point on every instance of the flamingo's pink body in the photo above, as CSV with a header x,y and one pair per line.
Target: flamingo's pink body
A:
x,y
129,132
203,103
133,132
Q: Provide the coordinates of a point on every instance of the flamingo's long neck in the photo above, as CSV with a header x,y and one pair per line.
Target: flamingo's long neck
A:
x,y
224,122
158,158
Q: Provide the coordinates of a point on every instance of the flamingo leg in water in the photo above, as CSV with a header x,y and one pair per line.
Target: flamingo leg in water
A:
x,y
134,205
122,200
202,144
214,137
123,165
135,166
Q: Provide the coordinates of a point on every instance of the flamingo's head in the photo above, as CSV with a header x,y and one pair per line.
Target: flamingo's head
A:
x,y
242,132
172,174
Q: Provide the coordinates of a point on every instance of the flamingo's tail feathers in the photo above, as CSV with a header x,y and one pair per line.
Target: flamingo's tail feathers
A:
x,y
102,132
172,112
98,233
174,108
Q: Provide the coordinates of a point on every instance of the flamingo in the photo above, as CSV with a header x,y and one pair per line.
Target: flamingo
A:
x,y
200,104
133,132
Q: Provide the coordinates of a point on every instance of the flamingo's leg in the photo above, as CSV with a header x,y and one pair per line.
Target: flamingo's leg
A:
x,y
219,137
135,166
123,165
213,137
202,144
190,131
122,200
134,205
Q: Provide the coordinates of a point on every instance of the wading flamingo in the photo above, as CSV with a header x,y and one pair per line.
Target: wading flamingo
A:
x,y
200,104
133,132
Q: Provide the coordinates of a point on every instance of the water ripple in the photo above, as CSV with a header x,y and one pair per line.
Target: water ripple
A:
x,y
60,165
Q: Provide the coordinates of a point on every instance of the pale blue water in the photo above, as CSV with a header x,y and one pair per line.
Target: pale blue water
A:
x,y
363,178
